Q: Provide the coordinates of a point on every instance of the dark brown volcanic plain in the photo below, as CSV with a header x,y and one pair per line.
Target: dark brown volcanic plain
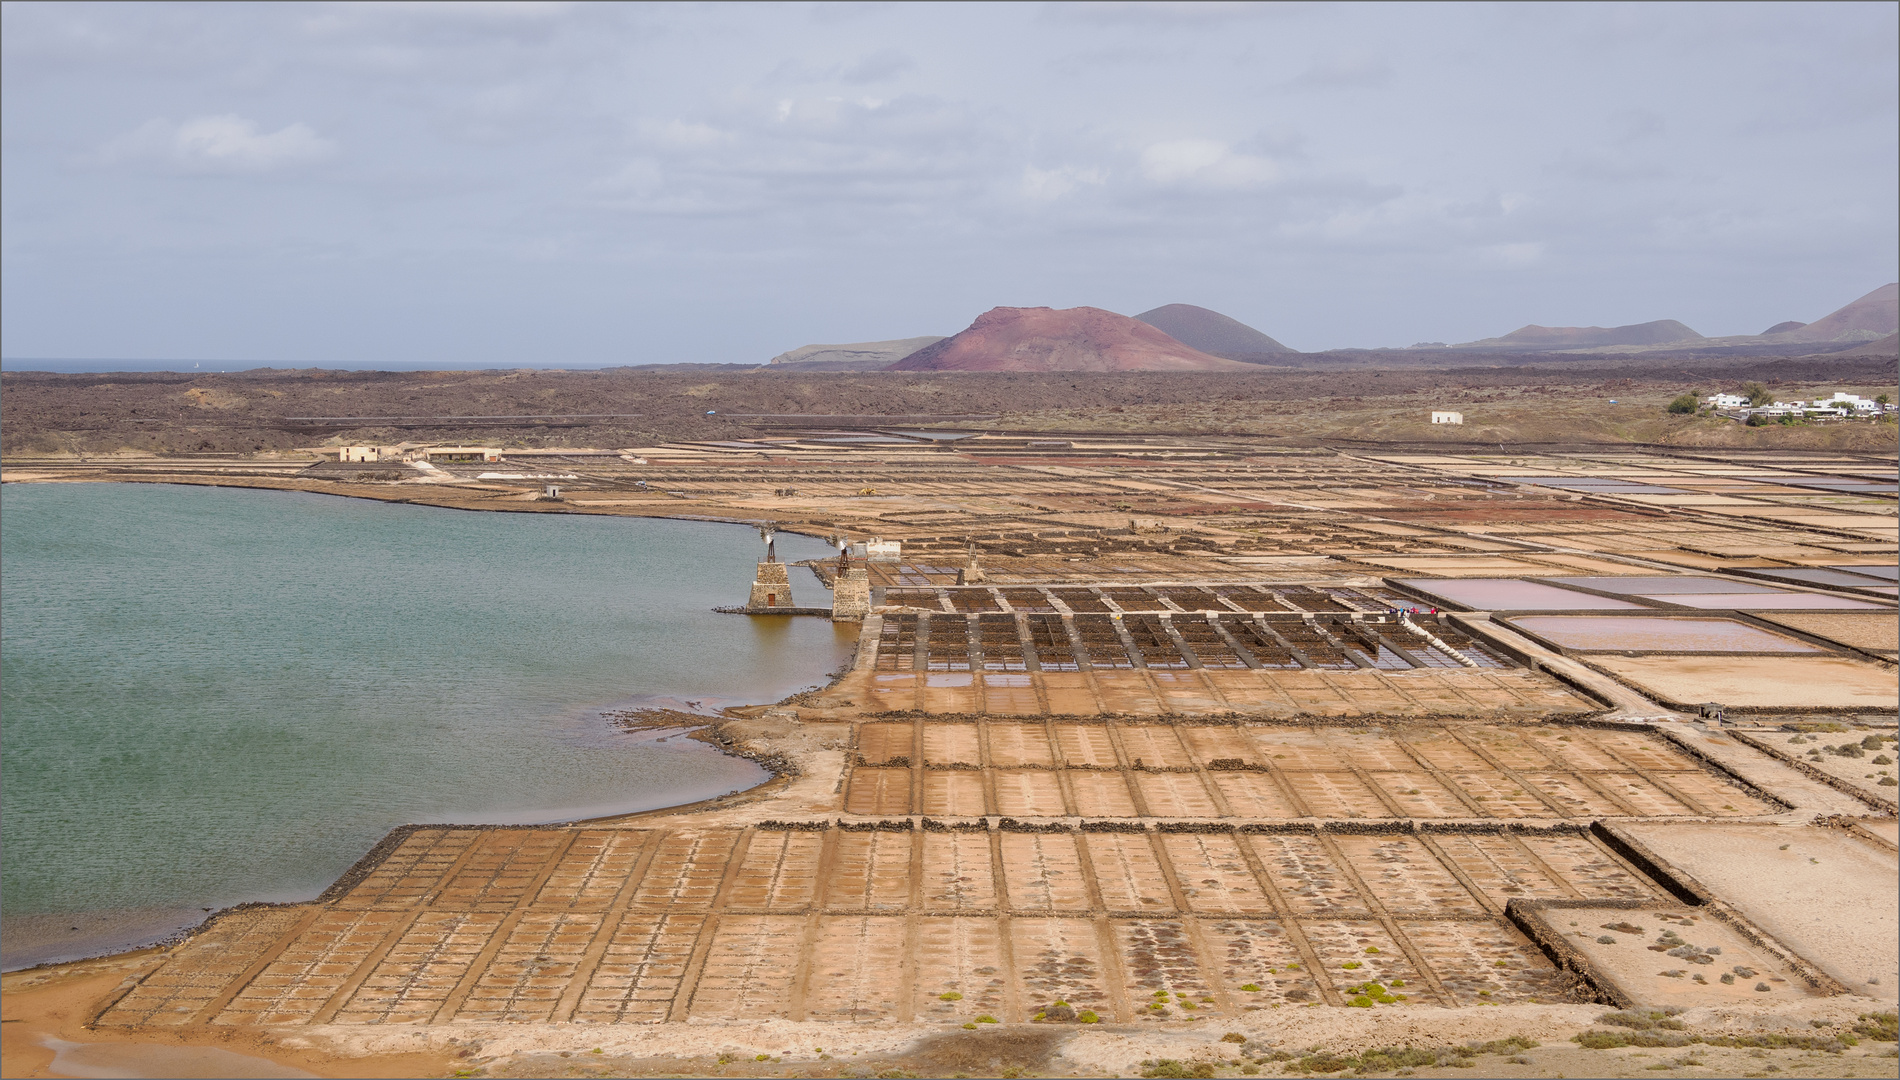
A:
x,y
1065,339
1519,400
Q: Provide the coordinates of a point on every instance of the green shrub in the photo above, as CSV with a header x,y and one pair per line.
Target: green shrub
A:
x,y
1611,1040
1323,1062
1880,1027
950,995
1177,1070
1643,1021
1685,403
1390,1058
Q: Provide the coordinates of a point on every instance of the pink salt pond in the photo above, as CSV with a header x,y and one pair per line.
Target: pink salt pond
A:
x,y
1653,585
1787,601
1512,594
1638,633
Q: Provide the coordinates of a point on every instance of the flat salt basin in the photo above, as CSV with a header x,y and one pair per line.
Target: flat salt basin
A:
x,y
1766,682
1598,484
1650,634
1511,594
1824,576
1876,630
1825,893
1762,602
1655,586
1889,573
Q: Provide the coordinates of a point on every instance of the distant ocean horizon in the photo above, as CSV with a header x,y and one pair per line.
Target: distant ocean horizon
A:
x,y
188,366
217,695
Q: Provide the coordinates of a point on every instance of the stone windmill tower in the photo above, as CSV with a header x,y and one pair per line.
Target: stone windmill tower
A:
x,y
851,592
771,586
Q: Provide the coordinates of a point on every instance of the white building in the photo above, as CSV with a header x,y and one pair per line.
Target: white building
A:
x,y
1439,417
369,453
877,549
459,453
1725,401
1847,402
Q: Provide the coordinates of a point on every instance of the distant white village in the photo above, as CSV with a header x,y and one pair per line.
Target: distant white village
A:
x,y
1840,406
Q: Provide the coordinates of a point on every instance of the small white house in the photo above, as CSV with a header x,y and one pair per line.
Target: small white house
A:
x,y
1725,401
1439,417
877,549
369,453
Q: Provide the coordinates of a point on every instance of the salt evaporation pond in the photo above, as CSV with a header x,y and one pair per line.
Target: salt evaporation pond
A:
x,y
1656,634
1511,594
1660,586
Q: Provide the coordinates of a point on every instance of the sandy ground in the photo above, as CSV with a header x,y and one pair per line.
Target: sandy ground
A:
x,y
45,1036
1877,631
1632,947
45,1011
1864,773
1759,682
1831,896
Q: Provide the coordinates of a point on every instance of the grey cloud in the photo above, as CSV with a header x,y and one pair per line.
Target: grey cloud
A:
x,y
671,182
1351,70
880,66
221,143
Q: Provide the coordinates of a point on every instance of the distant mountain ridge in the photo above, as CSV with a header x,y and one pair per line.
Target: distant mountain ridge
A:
x,y
859,356
1212,333
1067,339
1659,332
1185,337
1869,318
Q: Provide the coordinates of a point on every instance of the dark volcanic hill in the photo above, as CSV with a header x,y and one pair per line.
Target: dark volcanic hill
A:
x,y
1068,339
1212,333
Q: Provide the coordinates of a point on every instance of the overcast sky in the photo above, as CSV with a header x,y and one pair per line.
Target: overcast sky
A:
x,y
553,185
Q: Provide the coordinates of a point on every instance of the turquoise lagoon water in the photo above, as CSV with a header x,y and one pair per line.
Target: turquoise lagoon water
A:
x,y
214,695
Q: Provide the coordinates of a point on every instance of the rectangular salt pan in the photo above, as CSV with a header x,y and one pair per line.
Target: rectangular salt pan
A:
x,y
1650,634
1512,594
1811,575
1758,602
1655,586
1889,573
1595,486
